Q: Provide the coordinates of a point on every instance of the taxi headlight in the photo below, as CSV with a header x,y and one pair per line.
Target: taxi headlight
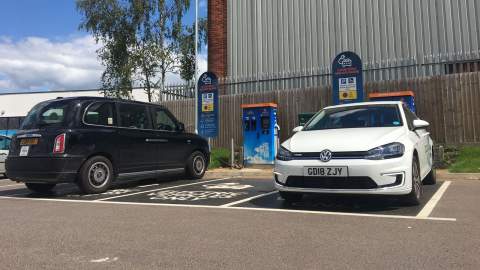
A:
x,y
284,154
391,150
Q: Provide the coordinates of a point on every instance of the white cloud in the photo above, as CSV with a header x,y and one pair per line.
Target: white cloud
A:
x,y
41,64
37,63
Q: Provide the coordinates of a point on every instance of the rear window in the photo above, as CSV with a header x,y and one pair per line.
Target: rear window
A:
x,y
46,114
134,116
101,114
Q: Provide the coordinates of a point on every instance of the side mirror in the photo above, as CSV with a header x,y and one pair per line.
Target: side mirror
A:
x,y
297,129
180,127
420,124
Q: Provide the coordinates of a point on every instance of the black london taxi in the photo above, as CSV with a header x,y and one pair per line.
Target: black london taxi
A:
x,y
93,141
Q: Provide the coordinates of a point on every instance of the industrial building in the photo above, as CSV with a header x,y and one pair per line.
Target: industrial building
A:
x,y
291,44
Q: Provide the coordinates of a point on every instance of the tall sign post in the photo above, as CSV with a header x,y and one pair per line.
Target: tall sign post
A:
x,y
207,105
347,78
196,65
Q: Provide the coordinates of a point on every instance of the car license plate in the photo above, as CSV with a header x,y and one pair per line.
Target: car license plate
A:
x,y
24,151
29,141
326,171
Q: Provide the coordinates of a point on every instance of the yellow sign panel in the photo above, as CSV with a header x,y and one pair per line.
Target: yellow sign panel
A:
x,y
207,102
347,94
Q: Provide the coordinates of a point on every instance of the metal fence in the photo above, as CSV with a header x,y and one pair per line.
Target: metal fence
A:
x,y
448,102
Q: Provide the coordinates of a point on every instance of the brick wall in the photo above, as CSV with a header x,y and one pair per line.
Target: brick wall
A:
x,y
217,37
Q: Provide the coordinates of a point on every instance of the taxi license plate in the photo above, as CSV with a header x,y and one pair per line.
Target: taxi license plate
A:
x,y
24,151
326,171
29,141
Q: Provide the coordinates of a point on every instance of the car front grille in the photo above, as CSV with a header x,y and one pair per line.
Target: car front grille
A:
x,y
335,155
331,182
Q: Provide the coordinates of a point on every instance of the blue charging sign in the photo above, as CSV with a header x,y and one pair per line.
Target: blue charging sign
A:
x,y
347,78
208,105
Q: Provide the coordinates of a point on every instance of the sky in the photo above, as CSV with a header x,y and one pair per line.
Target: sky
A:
x,y
41,47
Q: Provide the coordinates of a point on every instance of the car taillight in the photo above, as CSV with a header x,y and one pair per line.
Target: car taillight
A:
x,y
59,145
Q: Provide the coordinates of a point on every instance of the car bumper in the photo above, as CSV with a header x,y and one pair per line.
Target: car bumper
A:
x,y
382,177
43,169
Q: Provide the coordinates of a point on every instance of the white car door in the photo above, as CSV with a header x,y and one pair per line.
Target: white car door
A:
x,y
4,145
421,138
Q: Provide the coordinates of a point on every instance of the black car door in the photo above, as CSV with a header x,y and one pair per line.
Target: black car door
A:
x,y
137,146
174,145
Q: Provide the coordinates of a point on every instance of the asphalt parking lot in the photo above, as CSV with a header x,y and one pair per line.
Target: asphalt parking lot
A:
x,y
236,223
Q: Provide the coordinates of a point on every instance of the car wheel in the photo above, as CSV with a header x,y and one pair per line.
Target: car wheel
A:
x,y
414,197
96,175
431,178
40,188
291,197
196,165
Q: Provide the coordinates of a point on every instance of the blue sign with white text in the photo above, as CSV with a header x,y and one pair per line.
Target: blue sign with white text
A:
x,y
347,78
208,105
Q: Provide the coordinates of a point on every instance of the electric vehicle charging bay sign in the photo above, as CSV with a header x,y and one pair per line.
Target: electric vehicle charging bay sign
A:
x,y
347,78
208,105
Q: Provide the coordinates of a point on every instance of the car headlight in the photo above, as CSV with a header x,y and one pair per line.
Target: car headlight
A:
x,y
284,154
391,150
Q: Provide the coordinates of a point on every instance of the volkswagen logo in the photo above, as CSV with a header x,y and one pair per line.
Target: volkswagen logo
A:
x,y
325,155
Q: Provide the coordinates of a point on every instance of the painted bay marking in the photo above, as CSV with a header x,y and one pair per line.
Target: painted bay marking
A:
x,y
248,199
165,188
192,196
428,208
234,208
234,186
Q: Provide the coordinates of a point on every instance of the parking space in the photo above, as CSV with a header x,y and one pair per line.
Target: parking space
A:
x,y
235,193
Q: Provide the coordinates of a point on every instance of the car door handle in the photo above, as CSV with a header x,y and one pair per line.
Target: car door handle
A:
x,y
157,140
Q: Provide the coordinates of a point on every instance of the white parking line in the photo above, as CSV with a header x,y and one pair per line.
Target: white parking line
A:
x,y
237,208
249,199
428,208
12,185
158,189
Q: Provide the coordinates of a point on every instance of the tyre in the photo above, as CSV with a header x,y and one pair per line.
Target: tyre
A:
x,y
96,175
40,188
291,197
431,178
414,197
196,165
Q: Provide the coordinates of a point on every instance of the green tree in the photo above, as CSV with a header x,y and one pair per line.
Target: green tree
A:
x,y
139,40
187,49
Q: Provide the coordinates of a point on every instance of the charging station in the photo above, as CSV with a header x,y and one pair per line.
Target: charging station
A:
x,y
260,133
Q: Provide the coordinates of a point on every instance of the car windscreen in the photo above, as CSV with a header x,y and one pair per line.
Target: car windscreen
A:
x,y
46,114
4,143
366,116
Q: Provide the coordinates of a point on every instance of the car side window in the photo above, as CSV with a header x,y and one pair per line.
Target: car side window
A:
x,y
100,113
134,116
410,117
4,143
162,120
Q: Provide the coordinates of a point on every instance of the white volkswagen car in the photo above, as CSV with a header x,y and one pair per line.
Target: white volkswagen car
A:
x,y
360,148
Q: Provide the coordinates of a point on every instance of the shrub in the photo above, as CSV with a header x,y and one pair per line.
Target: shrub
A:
x,y
220,157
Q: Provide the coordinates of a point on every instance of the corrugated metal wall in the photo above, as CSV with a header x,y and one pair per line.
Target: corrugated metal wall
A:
x,y
291,43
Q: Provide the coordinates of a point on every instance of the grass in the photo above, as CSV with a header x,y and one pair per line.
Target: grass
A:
x,y
220,157
468,161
